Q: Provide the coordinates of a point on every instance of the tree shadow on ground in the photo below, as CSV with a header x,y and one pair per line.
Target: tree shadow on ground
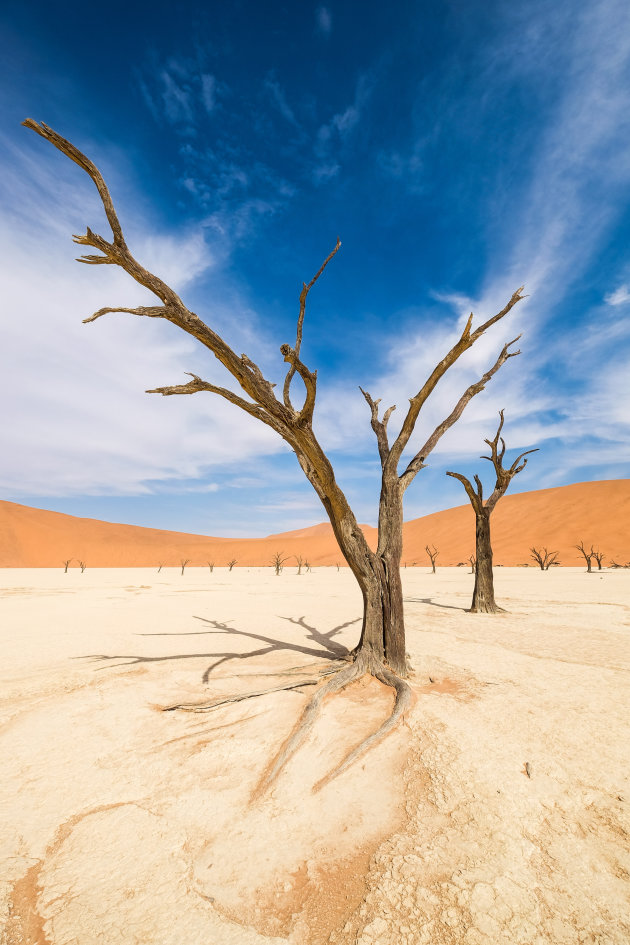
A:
x,y
428,600
326,648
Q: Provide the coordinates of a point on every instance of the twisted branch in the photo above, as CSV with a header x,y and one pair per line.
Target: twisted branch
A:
x,y
379,426
294,359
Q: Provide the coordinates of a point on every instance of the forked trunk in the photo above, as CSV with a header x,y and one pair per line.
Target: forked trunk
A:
x,y
378,575
483,601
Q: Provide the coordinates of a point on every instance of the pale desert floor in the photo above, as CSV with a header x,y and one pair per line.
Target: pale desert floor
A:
x,y
496,814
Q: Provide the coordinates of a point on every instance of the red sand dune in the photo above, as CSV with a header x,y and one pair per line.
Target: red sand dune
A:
x,y
596,512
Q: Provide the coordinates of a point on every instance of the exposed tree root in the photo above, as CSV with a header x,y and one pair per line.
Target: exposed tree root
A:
x,y
341,676
402,702
326,670
363,665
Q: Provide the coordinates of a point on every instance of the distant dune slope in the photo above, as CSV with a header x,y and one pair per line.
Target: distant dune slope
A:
x,y
596,512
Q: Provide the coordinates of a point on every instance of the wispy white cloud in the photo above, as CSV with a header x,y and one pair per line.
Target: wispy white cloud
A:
x,y
80,420
179,92
619,297
279,99
323,20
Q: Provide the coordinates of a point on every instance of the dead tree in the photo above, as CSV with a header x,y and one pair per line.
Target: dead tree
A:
x,y
544,558
599,557
160,568
587,555
432,555
381,649
66,565
483,601
183,563
83,566
300,563
473,564
231,563
277,562
211,566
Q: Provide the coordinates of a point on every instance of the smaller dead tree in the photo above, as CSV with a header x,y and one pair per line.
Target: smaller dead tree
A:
x,y
183,563
307,566
473,564
432,555
231,564
210,565
83,566
599,557
544,558
300,563
277,562
160,568
483,594
66,565
587,555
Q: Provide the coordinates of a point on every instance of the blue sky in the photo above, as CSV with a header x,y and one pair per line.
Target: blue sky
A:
x,y
459,149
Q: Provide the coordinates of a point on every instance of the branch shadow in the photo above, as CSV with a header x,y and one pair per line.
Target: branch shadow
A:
x,y
428,600
326,647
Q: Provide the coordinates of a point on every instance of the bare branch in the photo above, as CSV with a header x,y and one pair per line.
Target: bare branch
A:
x,y
516,297
196,385
151,311
466,341
379,426
310,383
475,500
117,253
418,461
75,155
504,476
300,324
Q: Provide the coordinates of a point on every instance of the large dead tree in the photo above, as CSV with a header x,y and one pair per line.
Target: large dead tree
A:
x,y
543,558
381,647
483,601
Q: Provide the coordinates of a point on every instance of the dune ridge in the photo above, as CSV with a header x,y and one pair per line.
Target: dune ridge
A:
x,y
596,512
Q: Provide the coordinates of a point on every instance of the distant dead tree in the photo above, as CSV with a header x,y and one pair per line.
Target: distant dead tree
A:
x,y
544,558
183,563
599,557
381,649
277,562
66,565
473,563
300,563
432,555
231,563
307,566
210,565
83,566
483,601
587,555
160,568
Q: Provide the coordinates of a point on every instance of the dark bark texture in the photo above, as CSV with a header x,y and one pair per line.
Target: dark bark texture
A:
x,y
483,601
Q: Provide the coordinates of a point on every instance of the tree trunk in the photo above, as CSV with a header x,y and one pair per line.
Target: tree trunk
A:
x,y
483,601
378,574
389,554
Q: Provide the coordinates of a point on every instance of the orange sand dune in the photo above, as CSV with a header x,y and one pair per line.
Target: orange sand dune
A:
x,y
596,512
